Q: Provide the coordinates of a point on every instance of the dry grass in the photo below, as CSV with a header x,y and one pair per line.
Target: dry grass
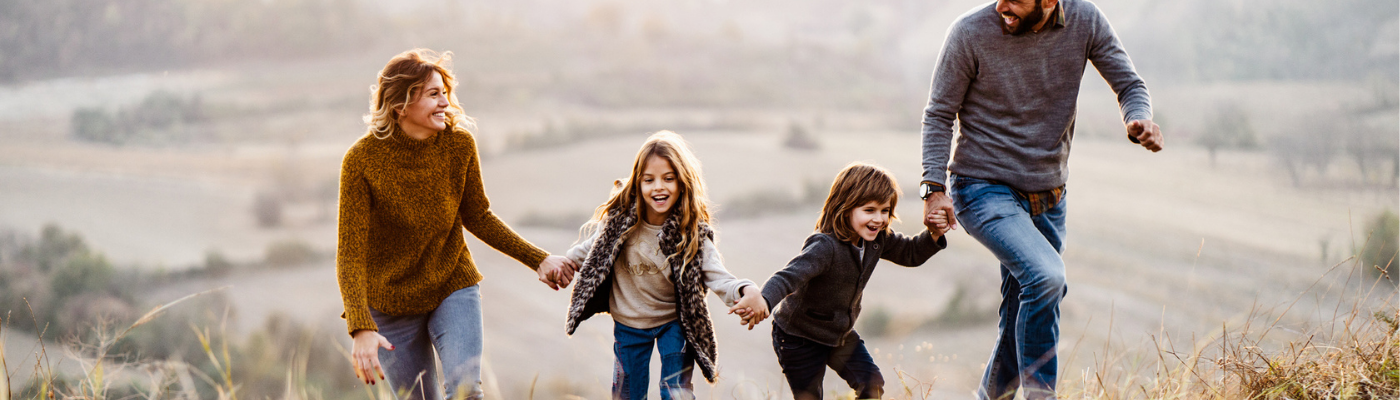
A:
x,y
1355,355
1352,356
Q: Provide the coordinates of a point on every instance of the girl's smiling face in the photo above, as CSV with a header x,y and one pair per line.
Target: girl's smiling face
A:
x,y
659,189
871,218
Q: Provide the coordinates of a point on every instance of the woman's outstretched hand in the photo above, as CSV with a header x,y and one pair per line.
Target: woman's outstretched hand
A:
x,y
752,308
365,355
557,271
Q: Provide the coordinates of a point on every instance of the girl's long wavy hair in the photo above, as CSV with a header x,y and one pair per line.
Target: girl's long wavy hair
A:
x,y
692,205
401,82
857,184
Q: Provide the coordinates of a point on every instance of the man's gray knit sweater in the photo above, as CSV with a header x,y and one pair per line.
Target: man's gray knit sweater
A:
x,y
1014,97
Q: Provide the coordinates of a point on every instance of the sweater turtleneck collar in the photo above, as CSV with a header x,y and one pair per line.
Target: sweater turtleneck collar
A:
x,y
402,141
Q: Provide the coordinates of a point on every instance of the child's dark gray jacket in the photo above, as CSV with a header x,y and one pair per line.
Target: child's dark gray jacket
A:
x,y
821,288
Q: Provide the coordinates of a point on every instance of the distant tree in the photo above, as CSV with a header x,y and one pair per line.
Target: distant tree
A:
x,y
1312,144
1369,147
1229,128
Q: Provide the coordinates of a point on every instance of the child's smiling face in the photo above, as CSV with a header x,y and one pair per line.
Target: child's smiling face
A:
x,y
871,218
659,189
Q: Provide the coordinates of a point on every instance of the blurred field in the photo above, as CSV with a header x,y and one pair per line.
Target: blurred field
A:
x,y
1138,221
1167,246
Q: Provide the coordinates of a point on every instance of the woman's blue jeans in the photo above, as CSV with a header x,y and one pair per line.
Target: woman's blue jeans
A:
x,y
1032,283
632,347
453,330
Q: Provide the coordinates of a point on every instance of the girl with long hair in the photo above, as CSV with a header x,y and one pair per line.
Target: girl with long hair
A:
x,y
648,256
408,188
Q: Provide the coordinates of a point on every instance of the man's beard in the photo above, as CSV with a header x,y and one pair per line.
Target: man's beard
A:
x,y
1026,23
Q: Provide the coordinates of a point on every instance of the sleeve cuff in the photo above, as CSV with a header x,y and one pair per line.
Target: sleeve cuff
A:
x,y
358,321
1137,116
936,177
767,298
534,258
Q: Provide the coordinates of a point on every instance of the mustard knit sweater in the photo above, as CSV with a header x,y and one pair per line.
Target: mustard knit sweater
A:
x,y
403,204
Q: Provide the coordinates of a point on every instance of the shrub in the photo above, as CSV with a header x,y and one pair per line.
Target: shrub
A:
x,y
53,248
96,125
876,322
799,138
1378,257
81,313
288,253
267,210
86,273
160,110
216,264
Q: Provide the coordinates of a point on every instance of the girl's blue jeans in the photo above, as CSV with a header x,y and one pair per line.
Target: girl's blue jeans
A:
x,y
1032,283
453,330
632,347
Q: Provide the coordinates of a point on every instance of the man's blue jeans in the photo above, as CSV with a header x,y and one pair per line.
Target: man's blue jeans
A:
x,y
453,329
632,347
1032,283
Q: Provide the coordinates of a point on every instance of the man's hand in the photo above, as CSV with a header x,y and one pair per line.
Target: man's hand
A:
x,y
939,201
364,355
556,271
751,308
1146,133
939,223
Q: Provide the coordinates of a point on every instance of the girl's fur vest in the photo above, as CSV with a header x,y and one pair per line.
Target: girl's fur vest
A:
x,y
594,287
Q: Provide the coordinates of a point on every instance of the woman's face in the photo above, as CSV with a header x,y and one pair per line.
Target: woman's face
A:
x,y
427,112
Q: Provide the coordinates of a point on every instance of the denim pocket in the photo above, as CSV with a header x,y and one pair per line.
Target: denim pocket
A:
x,y
979,201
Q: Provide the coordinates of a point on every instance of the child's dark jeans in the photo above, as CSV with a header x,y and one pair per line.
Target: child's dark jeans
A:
x,y
632,347
804,364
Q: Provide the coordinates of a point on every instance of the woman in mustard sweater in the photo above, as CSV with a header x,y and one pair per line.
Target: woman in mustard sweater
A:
x,y
407,189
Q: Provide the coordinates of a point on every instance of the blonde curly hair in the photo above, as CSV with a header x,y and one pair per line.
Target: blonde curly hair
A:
x,y
400,82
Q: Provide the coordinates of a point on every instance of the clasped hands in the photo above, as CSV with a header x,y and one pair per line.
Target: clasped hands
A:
x,y
752,308
557,271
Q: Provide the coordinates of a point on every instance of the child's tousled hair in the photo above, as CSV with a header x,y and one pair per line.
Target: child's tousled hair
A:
x,y
691,204
857,184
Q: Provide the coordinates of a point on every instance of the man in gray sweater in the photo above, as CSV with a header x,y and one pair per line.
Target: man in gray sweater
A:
x,y
1007,82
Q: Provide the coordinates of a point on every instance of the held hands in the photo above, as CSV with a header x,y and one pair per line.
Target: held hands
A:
x,y
938,222
364,355
938,214
557,271
1145,133
752,309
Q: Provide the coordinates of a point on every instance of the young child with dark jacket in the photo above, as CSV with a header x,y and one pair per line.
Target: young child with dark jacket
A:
x,y
820,289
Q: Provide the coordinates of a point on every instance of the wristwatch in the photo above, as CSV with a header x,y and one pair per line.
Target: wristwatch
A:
x,y
926,189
